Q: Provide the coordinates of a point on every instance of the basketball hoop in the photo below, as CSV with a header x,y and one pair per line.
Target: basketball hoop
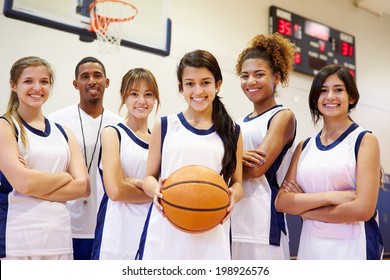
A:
x,y
108,21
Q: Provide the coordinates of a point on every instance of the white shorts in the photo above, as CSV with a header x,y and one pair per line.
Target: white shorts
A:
x,y
254,251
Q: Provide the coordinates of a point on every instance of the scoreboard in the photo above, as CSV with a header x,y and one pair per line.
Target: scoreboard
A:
x,y
317,45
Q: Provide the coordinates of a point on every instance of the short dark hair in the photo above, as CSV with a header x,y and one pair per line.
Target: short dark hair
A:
x,y
344,75
89,59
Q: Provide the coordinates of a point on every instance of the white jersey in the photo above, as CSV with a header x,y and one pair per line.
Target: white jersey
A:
x,y
84,210
262,223
333,168
119,224
32,226
184,145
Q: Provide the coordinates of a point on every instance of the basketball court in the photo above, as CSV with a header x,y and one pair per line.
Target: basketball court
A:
x,y
146,27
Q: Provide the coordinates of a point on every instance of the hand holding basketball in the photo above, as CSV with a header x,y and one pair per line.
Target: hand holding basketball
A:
x,y
158,196
231,205
195,199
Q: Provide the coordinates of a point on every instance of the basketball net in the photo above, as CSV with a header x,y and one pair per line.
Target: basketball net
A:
x,y
109,20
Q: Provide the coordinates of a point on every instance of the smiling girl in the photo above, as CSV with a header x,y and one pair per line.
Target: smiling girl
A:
x,y
268,133
334,177
41,167
202,134
122,167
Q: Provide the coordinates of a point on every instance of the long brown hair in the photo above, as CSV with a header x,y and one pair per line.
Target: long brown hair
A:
x,y
223,122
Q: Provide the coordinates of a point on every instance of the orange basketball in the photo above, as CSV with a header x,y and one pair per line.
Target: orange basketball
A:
x,y
195,198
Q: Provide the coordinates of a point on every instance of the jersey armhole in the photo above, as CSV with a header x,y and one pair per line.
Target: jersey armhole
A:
x,y
237,130
62,131
100,148
15,129
305,143
164,127
288,145
117,131
359,141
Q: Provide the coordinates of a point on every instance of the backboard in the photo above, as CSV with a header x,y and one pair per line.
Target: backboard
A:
x,y
149,31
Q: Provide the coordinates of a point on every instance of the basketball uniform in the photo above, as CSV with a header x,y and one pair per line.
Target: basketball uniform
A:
x,y
333,168
119,224
263,225
84,210
184,145
32,227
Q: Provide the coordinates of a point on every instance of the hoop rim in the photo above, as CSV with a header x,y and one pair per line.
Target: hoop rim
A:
x,y
111,19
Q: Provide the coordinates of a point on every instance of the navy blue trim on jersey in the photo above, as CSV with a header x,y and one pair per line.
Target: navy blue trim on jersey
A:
x,y
2,117
62,131
322,147
16,130
193,129
359,141
82,248
374,241
117,132
5,189
248,118
100,154
305,143
164,129
141,248
133,137
295,133
101,217
289,145
38,132
119,138
271,118
237,130
102,208
278,224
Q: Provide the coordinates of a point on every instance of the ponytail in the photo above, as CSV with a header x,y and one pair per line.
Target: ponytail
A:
x,y
11,111
225,128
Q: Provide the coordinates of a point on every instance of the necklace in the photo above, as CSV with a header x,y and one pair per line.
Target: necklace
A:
x,y
97,140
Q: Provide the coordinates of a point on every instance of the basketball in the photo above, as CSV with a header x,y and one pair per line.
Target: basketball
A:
x,y
195,198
